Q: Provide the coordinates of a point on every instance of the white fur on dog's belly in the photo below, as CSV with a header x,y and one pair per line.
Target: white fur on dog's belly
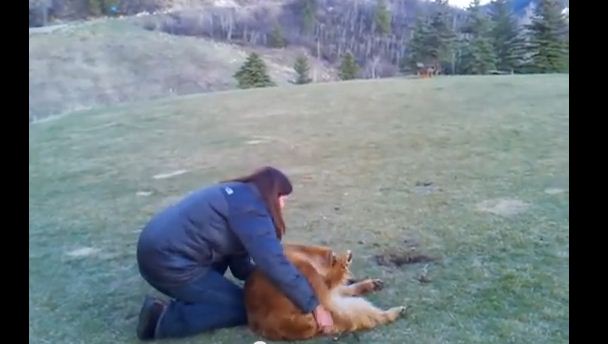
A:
x,y
350,304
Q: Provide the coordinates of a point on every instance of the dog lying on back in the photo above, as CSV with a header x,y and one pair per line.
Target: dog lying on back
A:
x,y
273,316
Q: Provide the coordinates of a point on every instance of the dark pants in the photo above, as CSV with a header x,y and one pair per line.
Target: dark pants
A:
x,y
207,303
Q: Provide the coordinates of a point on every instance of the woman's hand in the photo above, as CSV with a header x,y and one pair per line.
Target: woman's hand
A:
x,y
324,319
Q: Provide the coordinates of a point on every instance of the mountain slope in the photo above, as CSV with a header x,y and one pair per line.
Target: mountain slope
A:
x,y
110,61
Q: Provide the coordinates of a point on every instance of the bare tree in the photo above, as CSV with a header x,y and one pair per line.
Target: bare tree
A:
x,y
373,65
41,7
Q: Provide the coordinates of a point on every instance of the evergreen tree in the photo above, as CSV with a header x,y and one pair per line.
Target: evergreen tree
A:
x,y
567,48
110,7
301,67
440,39
478,53
309,14
95,7
433,41
382,18
276,39
348,67
418,51
460,52
39,11
504,35
101,7
520,53
546,38
253,73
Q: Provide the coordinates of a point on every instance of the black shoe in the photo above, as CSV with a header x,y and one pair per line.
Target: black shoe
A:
x,y
148,318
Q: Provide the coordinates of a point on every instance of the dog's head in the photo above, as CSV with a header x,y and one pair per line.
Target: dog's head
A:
x,y
323,258
340,265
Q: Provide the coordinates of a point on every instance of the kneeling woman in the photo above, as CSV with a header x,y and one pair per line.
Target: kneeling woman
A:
x,y
185,250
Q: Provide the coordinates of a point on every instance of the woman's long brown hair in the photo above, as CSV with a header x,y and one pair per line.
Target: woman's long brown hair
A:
x,y
272,184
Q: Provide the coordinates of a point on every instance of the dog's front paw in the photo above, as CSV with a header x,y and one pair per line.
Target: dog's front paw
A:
x,y
378,284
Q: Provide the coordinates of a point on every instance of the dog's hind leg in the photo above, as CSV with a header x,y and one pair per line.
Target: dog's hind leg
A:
x,y
362,287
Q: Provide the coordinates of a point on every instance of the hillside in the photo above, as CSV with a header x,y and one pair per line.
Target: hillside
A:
x,y
327,28
110,61
196,46
471,171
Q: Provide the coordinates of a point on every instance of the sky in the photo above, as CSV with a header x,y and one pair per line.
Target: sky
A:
x,y
464,3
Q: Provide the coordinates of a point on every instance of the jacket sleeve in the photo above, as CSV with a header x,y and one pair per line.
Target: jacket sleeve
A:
x,y
241,266
256,232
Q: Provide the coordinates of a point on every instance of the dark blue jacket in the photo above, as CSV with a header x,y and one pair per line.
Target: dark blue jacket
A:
x,y
224,223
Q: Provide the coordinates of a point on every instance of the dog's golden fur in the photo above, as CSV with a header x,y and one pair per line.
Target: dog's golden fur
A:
x,y
273,316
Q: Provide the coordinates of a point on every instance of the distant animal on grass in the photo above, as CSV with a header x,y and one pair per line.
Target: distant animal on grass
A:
x,y
426,71
273,316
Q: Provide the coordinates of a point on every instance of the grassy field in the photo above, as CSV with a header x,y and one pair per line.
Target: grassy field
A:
x,y
470,170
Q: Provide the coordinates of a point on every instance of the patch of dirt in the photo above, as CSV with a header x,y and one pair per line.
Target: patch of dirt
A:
x,y
424,279
425,188
402,258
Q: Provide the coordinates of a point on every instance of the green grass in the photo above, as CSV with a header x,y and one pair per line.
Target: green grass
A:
x,y
355,152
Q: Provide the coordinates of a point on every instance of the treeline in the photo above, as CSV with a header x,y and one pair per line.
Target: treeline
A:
x,y
385,37
491,40
381,37
43,12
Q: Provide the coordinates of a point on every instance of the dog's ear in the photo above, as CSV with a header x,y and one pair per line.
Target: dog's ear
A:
x,y
331,258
